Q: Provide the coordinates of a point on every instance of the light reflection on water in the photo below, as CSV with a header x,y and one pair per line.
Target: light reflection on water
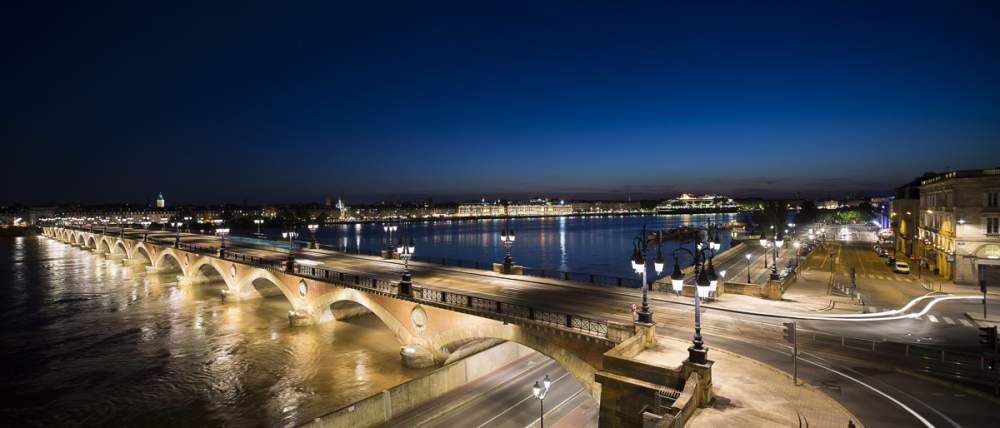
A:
x,y
600,244
86,341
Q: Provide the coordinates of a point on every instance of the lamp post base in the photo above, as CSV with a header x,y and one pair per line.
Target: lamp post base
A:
x,y
405,285
645,317
697,355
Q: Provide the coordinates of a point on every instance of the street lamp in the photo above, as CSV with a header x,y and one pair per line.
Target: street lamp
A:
x,y
507,237
748,267
290,235
764,243
639,266
539,392
145,229
258,222
704,282
405,253
389,228
222,232
177,225
187,220
312,231
797,245
778,241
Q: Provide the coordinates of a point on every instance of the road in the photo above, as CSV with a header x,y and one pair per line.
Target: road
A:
x,y
501,399
752,335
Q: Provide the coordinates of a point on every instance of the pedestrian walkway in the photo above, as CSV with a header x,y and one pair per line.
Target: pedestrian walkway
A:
x,y
748,393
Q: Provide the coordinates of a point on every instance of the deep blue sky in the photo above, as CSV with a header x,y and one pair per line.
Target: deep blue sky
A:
x,y
273,102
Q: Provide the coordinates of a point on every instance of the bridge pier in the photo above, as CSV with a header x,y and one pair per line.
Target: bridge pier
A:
x,y
299,318
417,356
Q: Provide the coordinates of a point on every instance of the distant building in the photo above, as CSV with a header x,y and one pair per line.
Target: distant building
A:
x,y
960,225
160,202
904,219
828,205
534,208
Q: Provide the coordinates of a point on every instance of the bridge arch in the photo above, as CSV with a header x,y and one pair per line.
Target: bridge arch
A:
x,y
160,261
103,246
92,243
120,248
139,252
322,310
246,290
579,368
216,265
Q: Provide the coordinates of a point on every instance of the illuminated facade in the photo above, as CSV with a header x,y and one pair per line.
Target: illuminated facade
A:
x,y
960,224
534,208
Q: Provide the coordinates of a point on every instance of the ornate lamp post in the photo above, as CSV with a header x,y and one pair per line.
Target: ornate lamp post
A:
x,y
639,266
748,267
764,242
389,228
187,220
774,244
222,232
705,281
177,237
405,253
507,237
312,232
145,228
290,235
539,392
258,222
797,245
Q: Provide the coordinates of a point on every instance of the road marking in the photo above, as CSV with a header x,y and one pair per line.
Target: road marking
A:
x,y
887,396
530,396
948,320
932,318
965,322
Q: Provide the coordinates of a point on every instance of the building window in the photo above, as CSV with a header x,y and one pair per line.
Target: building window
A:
x,y
992,225
991,199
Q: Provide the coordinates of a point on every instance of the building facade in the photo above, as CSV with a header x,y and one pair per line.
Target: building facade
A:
x,y
960,225
533,208
904,220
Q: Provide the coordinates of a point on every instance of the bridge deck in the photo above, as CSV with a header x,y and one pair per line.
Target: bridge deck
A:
x,y
597,302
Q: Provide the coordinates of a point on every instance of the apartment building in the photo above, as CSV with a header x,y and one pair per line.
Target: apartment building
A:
x,y
960,225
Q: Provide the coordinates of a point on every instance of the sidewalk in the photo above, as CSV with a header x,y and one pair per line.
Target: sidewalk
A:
x,y
808,294
752,394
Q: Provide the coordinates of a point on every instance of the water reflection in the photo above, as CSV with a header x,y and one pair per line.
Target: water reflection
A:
x,y
89,342
599,244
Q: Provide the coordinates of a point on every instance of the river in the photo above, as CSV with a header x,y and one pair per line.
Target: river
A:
x,y
590,244
87,341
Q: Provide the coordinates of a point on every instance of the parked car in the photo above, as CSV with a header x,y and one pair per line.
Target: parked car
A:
x,y
901,267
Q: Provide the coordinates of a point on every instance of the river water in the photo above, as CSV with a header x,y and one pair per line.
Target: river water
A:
x,y
592,244
86,341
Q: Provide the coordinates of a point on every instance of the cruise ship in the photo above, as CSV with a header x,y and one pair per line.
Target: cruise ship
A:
x,y
687,203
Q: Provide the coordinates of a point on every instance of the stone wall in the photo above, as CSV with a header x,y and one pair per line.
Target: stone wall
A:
x,y
379,408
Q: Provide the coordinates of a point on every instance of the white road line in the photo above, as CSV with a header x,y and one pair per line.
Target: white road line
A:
x,y
965,322
530,396
948,320
897,402
932,318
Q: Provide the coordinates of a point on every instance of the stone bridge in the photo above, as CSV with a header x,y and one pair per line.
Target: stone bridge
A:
x,y
428,323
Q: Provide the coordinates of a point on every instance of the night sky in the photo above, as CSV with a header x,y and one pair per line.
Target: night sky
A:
x,y
288,102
